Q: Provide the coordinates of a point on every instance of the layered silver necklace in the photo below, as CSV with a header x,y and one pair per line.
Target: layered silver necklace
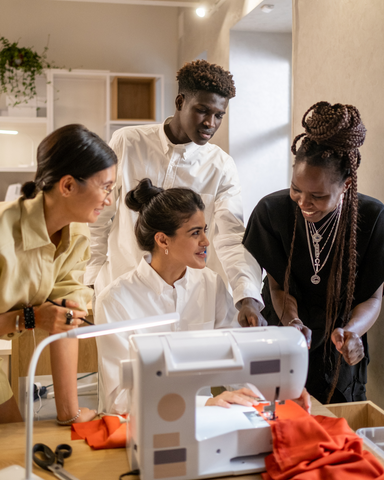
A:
x,y
315,236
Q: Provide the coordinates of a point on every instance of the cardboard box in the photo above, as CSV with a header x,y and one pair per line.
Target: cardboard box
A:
x,y
359,414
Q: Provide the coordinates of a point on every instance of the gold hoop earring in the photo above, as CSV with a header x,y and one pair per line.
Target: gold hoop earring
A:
x,y
166,251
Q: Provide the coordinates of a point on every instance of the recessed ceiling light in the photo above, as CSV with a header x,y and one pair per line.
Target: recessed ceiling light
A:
x,y
9,132
267,8
200,12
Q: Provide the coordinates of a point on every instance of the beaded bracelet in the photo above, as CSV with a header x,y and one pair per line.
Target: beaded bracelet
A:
x,y
29,318
68,422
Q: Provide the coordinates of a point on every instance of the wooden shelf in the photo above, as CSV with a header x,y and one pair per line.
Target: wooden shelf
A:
x,y
134,99
87,97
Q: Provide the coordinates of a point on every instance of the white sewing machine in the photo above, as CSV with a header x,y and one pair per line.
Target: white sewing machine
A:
x,y
173,438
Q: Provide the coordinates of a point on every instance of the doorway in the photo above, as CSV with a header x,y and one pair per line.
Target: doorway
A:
x,y
260,114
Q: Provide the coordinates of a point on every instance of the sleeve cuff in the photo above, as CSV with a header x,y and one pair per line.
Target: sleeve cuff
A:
x,y
245,291
81,295
91,273
201,400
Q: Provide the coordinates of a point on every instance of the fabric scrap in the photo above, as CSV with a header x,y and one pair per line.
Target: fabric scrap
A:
x,y
108,432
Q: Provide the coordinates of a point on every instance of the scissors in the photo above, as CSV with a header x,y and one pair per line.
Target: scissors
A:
x,y
53,461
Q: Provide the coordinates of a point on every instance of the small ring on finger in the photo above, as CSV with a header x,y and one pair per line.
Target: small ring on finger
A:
x,y
69,317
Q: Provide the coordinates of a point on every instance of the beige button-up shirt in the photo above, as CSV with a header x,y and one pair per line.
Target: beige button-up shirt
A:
x,y
32,269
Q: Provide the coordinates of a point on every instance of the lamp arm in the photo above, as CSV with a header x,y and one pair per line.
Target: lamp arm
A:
x,y
84,332
29,420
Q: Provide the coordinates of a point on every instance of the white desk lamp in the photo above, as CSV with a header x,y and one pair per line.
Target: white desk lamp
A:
x,y
16,472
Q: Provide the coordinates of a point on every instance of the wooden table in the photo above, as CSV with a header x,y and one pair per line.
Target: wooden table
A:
x,y
5,353
85,463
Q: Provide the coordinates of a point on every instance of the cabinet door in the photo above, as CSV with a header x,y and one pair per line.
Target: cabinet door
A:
x,y
22,128
80,98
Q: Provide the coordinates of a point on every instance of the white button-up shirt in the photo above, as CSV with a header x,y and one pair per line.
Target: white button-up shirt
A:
x,y
145,151
200,297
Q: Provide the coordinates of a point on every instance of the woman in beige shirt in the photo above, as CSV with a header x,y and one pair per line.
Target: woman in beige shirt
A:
x,y
44,248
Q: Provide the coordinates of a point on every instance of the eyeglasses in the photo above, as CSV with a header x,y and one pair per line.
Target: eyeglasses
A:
x,y
107,190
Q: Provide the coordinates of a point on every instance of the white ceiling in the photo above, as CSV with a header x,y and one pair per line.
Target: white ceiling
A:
x,y
156,3
278,20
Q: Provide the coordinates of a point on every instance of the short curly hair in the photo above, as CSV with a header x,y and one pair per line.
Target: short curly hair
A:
x,y
202,75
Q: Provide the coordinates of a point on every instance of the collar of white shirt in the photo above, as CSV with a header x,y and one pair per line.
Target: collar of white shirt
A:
x,y
151,278
184,149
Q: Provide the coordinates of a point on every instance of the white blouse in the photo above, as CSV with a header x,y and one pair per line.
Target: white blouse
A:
x,y
200,297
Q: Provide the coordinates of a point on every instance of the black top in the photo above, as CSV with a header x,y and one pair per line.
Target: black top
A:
x,y
268,238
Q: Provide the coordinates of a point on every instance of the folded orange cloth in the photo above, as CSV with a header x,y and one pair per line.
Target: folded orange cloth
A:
x,y
316,448
105,433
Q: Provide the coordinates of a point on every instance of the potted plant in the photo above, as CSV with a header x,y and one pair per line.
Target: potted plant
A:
x,y
19,67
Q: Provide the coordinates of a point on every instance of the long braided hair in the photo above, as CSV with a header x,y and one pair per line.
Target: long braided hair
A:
x,y
333,134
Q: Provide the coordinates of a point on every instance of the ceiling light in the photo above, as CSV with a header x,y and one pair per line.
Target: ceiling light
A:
x,y
267,8
200,12
9,132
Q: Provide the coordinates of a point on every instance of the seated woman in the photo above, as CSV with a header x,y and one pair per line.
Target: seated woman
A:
x,y
321,244
171,226
44,248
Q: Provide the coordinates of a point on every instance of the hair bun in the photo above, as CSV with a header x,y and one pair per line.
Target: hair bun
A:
x,y
29,189
142,195
337,126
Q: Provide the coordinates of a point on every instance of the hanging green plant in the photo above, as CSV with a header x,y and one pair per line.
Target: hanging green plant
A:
x,y
19,67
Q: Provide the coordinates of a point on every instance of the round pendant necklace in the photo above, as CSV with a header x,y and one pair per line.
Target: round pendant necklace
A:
x,y
316,236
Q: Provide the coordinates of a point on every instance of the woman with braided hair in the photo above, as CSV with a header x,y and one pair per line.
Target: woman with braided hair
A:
x,y
321,244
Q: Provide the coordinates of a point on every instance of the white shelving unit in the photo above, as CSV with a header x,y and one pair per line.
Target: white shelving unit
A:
x,y
18,152
77,96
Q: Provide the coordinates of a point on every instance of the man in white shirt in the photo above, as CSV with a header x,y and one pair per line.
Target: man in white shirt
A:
x,y
177,154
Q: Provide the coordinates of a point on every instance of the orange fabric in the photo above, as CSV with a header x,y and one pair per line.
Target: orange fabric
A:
x,y
99,434
289,410
317,448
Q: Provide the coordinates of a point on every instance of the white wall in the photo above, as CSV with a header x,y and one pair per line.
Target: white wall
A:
x,y
212,35
97,36
259,122
101,36
337,57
